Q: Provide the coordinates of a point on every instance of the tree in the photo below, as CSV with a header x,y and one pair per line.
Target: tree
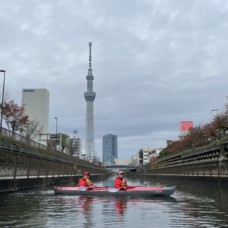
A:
x,y
31,129
74,146
216,130
65,141
14,115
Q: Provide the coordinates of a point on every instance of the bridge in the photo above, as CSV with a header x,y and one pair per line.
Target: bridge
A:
x,y
131,168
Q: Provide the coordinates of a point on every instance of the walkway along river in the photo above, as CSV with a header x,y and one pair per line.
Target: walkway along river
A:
x,y
194,204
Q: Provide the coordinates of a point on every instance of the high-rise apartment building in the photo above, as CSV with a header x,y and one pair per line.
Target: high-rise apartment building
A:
x,y
110,149
90,97
36,103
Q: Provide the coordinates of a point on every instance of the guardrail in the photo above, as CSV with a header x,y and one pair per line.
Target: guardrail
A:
x,y
15,164
21,138
20,156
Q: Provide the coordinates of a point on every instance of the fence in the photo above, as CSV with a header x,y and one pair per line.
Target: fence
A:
x,y
29,158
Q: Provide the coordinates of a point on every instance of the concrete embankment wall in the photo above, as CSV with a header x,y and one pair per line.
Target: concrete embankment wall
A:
x,y
171,178
205,163
22,168
12,185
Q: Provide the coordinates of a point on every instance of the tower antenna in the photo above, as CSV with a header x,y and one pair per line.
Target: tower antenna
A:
x,y
90,55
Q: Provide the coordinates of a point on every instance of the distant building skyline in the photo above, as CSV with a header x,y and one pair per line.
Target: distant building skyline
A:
x,y
145,154
110,149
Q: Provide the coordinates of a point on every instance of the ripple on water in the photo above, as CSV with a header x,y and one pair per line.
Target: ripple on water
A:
x,y
41,208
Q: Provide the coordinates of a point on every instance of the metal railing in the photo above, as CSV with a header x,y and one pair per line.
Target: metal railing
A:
x,y
21,138
27,147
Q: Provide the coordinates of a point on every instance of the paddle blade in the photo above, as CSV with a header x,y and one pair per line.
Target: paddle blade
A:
x,y
83,189
113,189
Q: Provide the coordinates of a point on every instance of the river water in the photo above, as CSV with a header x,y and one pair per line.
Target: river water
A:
x,y
194,204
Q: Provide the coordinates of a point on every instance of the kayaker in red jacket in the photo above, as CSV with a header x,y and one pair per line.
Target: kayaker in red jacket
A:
x,y
120,182
85,181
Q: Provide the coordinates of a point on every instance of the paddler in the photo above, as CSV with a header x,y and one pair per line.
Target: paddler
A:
x,y
120,182
85,181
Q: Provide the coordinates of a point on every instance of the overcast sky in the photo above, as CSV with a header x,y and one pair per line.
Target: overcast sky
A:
x,y
155,63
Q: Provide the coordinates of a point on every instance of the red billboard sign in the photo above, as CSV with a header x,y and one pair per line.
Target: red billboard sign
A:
x,y
186,125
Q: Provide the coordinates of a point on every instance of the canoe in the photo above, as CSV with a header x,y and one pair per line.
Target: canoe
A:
x,y
105,191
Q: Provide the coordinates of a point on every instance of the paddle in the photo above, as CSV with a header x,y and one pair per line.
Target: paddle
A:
x,y
113,189
83,189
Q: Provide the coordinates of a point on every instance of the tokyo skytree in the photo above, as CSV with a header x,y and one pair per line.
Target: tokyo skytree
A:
x,y
89,97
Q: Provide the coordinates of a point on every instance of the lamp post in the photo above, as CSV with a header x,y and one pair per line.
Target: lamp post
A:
x,y
56,130
3,90
216,111
226,98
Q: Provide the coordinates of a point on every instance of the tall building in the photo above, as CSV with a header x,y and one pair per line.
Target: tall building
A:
x,y
89,97
36,103
110,149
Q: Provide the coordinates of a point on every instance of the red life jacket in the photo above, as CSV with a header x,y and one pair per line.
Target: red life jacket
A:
x,y
120,183
85,182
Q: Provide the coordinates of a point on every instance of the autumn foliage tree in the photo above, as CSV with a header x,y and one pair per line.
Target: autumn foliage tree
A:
x,y
14,115
201,135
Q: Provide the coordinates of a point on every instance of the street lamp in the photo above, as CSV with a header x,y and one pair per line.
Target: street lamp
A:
x,y
56,130
215,110
3,89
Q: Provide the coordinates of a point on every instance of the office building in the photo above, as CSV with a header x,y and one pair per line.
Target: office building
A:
x,y
36,103
110,149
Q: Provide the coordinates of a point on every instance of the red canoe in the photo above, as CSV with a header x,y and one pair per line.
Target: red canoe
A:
x,y
104,191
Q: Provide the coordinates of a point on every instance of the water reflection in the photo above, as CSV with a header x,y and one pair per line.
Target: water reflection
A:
x,y
120,206
194,204
202,203
109,204
85,203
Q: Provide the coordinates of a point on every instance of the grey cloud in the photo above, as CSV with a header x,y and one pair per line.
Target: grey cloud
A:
x,y
155,63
